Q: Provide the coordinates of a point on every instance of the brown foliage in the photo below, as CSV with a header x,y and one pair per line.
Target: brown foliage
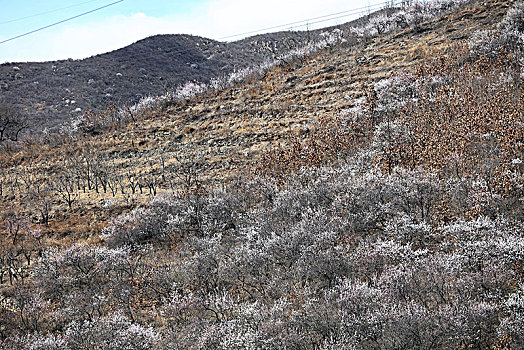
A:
x,y
472,127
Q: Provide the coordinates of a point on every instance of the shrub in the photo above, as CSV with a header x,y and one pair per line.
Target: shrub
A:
x,y
507,36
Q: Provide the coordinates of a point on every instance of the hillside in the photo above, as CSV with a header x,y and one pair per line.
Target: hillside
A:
x,y
218,135
50,94
362,194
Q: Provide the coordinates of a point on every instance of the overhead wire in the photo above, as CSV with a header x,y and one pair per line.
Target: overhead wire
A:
x,y
63,21
47,12
144,56
307,21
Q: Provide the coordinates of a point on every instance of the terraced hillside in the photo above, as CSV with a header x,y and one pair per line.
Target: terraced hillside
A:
x,y
50,94
218,135
366,195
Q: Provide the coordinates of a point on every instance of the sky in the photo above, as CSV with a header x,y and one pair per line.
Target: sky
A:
x,y
131,20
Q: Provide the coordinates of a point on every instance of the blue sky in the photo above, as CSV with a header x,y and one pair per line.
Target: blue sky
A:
x,y
132,20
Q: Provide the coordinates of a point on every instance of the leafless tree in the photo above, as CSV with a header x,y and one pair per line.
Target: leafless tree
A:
x,y
12,123
41,199
65,187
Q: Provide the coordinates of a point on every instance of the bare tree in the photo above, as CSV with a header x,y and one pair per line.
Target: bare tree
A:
x,y
41,200
65,186
3,181
12,123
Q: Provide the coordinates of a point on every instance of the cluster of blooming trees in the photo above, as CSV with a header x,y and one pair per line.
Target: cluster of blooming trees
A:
x,y
412,14
508,35
348,257
406,233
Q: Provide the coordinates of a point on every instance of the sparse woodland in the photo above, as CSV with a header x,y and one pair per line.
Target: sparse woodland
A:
x,y
394,221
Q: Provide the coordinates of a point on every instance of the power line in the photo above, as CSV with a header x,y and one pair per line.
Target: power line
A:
x,y
307,20
47,12
143,56
329,19
60,22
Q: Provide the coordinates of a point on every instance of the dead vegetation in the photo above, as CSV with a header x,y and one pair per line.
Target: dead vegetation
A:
x,y
217,136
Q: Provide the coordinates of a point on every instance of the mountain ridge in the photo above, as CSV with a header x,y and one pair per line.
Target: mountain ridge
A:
x,y
223,132
54,92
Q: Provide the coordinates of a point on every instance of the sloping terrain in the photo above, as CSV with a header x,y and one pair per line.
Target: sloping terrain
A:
x,y
51,93
385,210
218,135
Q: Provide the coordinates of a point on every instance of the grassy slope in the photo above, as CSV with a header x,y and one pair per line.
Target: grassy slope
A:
x,y
224,133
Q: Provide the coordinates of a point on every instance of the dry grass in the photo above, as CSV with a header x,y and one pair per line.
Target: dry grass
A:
x,y
222,135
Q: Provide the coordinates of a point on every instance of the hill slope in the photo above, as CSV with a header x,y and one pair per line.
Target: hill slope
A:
x,y
51,93
217,135
387,215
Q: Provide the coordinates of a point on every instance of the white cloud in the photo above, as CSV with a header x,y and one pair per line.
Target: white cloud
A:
x,y
214,19
234,16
